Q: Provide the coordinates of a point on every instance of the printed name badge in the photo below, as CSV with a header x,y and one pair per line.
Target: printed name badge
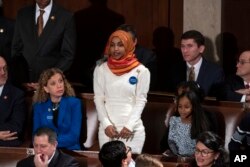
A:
x,y
49,117
133,80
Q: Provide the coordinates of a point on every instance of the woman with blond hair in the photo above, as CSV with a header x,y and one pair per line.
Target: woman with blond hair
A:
x,y
121,85
56,107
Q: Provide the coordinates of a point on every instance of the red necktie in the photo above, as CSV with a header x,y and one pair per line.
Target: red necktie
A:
x,y
40,22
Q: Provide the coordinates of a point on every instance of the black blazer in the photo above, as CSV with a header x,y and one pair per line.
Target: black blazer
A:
x,y
6,35
54,48
232,84
13,113
60,159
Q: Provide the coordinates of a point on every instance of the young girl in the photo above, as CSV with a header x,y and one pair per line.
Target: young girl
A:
x,y
56,107
190,120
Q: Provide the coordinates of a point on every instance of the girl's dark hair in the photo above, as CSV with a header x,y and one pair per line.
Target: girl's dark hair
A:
x,y
199,121
215,143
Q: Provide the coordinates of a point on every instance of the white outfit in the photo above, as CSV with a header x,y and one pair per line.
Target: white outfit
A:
x,y
120,102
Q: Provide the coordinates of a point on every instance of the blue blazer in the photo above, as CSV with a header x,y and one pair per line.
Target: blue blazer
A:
x,y
69,121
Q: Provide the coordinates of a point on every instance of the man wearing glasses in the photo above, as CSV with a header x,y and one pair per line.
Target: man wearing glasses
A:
x,y
237,87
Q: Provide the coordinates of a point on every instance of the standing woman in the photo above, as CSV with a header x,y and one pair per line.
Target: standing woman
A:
x,y
121,85
56,107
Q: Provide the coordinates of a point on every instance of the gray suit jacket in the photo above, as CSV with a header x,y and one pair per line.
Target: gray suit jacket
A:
x,y
54,48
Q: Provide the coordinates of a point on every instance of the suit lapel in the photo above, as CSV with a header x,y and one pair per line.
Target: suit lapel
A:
x,y
4,99
54,160
202,70
33,27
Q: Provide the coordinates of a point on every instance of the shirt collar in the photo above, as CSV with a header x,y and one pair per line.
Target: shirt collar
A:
x,y
51,157
197,65
1,89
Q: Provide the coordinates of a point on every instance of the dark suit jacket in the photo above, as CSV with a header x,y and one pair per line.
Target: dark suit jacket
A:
x,y
60,159
54,48
210,78
13,113
232,84
148,58
6,35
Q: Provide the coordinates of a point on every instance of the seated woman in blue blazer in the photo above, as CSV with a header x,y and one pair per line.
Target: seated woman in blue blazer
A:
x,y
56,107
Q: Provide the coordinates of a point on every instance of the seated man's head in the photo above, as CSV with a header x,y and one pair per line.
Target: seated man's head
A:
x,y
3,71
115,154
45,142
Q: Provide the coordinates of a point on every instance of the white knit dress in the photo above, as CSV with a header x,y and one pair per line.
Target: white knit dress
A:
x,y
120,101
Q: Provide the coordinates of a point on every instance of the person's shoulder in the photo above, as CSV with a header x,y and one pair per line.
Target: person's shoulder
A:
x,y
70,160
211,64
26,9
174,119
13,89
62,10
26,162
100,66
141,68
72,99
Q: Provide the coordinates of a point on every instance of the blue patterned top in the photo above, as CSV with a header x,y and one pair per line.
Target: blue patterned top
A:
x,y
179,137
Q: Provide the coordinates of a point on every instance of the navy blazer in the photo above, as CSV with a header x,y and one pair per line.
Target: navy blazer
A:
x,y
232,84
54,48
60,159
210,78
13,113
69,121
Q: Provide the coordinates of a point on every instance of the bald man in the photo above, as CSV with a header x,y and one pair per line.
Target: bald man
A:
x,y
237,87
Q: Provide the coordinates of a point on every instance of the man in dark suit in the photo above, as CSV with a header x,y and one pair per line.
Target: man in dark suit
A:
x,y
236,87
208,75
45,36
6,35
12,109
46,154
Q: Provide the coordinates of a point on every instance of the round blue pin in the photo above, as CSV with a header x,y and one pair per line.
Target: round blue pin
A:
x,y
132,80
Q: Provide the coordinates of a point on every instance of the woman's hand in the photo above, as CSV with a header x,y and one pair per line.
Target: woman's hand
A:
x,y
126,133
111,132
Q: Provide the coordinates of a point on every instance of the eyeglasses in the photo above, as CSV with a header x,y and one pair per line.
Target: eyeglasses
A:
x,y
203,153
242,62
128,149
